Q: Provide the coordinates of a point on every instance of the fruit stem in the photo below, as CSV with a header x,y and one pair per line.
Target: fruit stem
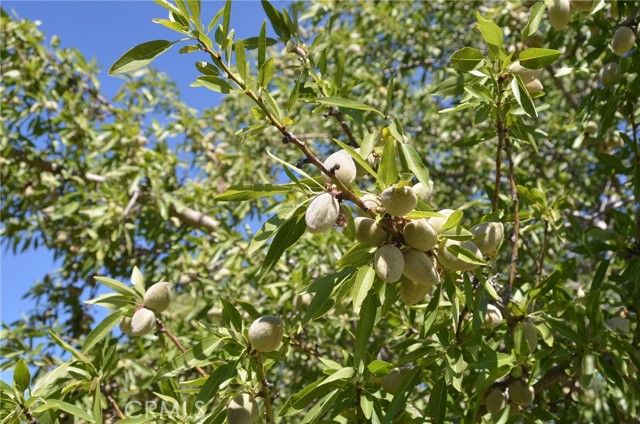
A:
x,y
268,419
115,406
174,339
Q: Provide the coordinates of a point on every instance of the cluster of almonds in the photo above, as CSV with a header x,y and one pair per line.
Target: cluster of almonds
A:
x,y
265,335
156,300
413,256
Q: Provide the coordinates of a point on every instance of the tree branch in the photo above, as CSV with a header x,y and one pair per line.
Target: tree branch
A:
x,y
335,112
266,389
516,218
174,339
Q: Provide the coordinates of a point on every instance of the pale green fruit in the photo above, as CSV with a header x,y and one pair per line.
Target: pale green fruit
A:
x,y
527,75
496,401
419,267
582,5
424,192
437,222
399,201
493,317
619,324
265,333
215,313
158,297
393,381
448,260
591,128
372,202
412,292
520,393
534,87
388,263
420,235
488,237
322,213
369,231
559,14
143,322
346,167
125,325
623,40
610,74
302,300
243,409
531,335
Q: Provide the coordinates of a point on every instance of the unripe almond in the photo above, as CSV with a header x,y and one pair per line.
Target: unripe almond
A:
x,y
526,74
322,213
559,14
437,222
345,167
420,235
158,297
424,192
623,40
369,231
531,335
143,322
591,128
619,324
243,409
215,313
520,393
610,74
534,87
450,261
493,317
265,333
496,401
582,5
419,267
388,263
393,381
488,237
125,325
399,201
536,40
412,292
372,202
302,300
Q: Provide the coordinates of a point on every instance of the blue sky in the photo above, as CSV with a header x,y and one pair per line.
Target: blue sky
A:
x,y
104,30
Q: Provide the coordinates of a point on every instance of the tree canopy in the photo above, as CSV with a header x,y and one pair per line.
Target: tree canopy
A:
x,y
401,212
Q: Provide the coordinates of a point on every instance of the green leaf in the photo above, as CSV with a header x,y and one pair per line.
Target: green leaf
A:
x,y
363,283
322,289
207,68
400,398
536,13
341,375
218,377
101,330
139,56
538,58
21,376
194,6
412,157
356,157
492,35
453,220
465,255
252,43
437,406
119,287
522,96
66,346
213,83
262,45
266,73
176,26
252,191
274,16
241,60
388,169
59,405
137,279
365,325
226,18
230,315
287,235
466,59
198,353
97,401
346,103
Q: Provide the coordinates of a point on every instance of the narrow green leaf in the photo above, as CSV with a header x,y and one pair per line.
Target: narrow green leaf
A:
x,y
97,402
101,330
262,45
322,289
453,220
388,169
356,157
341,375
346,103
119,287
400,398
230,314
173,25
139,56
252,43
465,255
226,19
492,35
413,159
199,352
66,346
437,406
213,83
275,17
252,191
266,73
194,6
207,68
286,236
536,13
522,96
65,407
538,58
365,325
466,59
218,377
361,287
241,59
21,376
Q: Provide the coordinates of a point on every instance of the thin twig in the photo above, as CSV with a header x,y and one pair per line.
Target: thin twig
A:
x,y
174,339
30,417
115,406
335,112
266,388
516,218
501,135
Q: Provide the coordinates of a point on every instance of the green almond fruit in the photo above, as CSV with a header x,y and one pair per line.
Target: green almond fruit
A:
x,y
242,409
388,262
623,40
423,191
322,213
493,317
302,300
345,167
488,237
125,325
143,322
496,401
392,382
265,333
534,87
582,5
437,222
619,324
527,75
412,292
610,74
158,297
369,231
559,14
398,201
520,393
420,268
531,335
450,261
420,235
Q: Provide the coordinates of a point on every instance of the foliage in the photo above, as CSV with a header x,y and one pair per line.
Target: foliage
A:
x,y
214,202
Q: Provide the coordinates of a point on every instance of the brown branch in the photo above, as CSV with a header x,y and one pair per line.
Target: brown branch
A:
x,y
516,218
335,112
29,415
174,339
266,389
115,406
